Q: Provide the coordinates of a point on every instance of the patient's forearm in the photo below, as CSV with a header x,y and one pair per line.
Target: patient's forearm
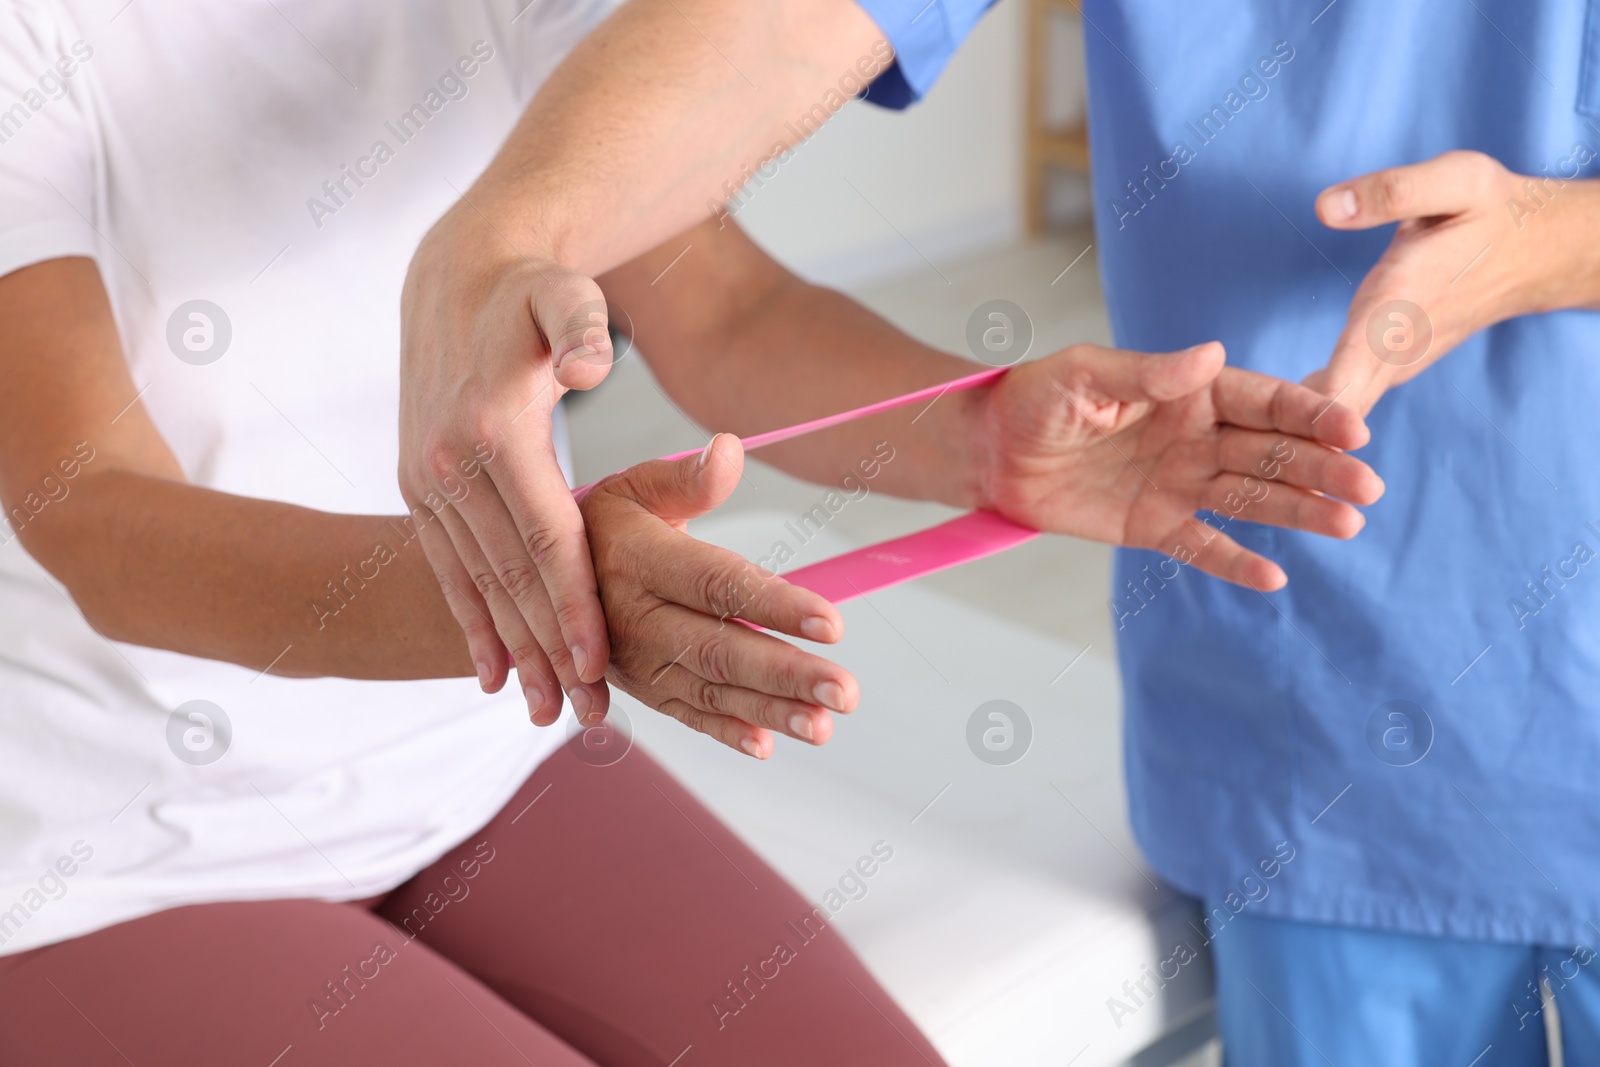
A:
x,y
169,565
808,352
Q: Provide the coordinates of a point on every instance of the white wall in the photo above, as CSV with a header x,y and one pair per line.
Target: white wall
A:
x,y
946,174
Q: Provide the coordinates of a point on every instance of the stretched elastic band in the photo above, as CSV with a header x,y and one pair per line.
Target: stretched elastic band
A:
x,y
867,570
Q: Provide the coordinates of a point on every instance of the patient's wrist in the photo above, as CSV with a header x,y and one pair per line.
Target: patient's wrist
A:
x,y
970,447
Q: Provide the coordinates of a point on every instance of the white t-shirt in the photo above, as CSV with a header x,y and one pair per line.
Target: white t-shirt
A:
x,y
279,161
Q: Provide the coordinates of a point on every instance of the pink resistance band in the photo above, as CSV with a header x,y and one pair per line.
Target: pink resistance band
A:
x,y
867,570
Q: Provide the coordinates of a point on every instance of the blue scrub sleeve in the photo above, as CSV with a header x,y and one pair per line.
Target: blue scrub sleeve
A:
x,y
925,34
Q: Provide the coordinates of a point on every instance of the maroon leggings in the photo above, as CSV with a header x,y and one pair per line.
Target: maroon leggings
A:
x,y
604,917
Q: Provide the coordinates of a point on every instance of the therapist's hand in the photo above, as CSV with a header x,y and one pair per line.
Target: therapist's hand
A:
x,y
1125,447
673,605
1476,244
490,340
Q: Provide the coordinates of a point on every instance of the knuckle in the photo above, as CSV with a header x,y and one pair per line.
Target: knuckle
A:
x,y
715,698
519,579
717,660
1484,170
689,715
526,655
584,305
485,431
1394,191
723,588
543,542
442,573
702,694
787,676
571,616
624,670
486,584
438,459
476,630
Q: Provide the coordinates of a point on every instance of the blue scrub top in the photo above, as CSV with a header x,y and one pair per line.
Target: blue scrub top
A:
x,y
1418,713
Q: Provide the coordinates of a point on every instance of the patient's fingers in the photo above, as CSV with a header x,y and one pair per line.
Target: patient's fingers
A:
x,y
725,585
1261,402
1298,462
751,740
1236,496
802,721
730,654
1208,549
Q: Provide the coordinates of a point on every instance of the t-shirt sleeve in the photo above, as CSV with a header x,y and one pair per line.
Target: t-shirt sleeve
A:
x,y
542,32
925,34
47,158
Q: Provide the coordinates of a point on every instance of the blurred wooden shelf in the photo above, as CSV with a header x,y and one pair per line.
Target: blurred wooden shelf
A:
x,y
1046,146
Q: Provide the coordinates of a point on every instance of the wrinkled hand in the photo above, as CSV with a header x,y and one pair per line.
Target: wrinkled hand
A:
x,y
490,341
674,604
1126,447
1476,244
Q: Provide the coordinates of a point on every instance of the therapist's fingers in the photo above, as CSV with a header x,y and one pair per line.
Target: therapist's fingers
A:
x,y
1262,402
532,531
1298,462
571,313
515,576
539,684
466,605
1447,184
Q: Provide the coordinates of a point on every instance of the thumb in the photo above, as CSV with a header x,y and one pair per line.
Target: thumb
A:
x,y
1447,184
571,313
1138,377
677,490
1354,375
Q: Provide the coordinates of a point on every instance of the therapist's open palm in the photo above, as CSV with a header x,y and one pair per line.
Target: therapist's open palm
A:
x,y
1127,447
1475,244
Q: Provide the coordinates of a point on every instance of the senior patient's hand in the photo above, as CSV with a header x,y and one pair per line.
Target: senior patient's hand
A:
x,y
673,605
1126,447
490,341
1476,244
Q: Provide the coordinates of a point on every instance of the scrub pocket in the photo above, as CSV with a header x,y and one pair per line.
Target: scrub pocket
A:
x,y
1589,70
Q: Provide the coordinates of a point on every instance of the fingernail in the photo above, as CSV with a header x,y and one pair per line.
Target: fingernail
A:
x,y
751,747
484,674
535,700
800,725
705,453
816,628
594,718
1346,204
580,660
829,695
581,701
